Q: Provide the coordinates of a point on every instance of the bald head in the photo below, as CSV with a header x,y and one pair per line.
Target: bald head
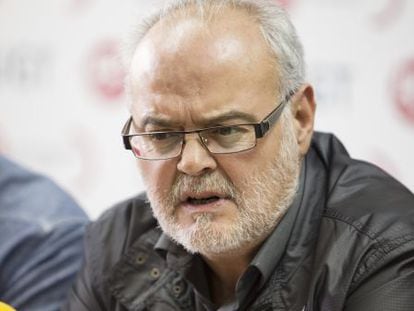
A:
x,y
184,53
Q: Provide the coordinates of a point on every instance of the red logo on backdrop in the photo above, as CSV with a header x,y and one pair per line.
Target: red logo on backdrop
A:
x,y
403,90
106,74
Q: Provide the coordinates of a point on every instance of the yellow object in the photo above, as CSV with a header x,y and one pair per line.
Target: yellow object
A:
x,y
4,307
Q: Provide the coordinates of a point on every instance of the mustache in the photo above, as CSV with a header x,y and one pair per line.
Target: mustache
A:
x,y
213,181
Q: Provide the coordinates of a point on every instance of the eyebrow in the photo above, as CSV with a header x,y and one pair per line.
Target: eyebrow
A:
x,y
228,116
159,121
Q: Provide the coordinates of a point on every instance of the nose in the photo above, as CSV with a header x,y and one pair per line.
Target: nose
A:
x,y
195,159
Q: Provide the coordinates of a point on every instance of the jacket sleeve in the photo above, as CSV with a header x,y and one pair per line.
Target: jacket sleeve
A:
x,y
390,287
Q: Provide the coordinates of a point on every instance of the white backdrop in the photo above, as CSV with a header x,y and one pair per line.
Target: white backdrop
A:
x,y
62,103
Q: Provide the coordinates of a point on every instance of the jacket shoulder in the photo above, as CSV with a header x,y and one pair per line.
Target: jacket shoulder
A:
x,y
372,201
362,194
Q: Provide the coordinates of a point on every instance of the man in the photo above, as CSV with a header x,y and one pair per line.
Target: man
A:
x,y
41,239
246,208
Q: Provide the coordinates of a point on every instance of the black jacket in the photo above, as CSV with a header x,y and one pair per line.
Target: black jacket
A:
x,y
351,248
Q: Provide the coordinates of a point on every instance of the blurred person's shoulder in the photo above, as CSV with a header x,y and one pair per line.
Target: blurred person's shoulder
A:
x,y
41,237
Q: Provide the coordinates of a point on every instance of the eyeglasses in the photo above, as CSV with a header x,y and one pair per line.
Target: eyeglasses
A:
x,y
223,139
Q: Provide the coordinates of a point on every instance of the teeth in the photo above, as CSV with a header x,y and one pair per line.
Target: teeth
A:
x,y
202,201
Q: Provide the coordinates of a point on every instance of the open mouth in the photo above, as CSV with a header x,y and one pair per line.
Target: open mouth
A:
x,y
200,201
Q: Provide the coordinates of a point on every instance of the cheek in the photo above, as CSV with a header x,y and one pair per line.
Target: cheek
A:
x,y
267,148
158,175
237,169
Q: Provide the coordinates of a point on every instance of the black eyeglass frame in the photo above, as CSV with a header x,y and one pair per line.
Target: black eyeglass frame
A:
x,y
260,128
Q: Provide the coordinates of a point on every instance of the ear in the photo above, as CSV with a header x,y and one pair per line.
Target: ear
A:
x,y
303,110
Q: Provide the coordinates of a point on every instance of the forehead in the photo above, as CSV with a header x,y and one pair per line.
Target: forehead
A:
x,y
185,62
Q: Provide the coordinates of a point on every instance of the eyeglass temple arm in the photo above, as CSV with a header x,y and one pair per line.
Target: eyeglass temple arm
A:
x,y
263,127
125,131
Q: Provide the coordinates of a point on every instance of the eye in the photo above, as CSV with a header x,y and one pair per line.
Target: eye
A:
x,y
228,130
163,136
